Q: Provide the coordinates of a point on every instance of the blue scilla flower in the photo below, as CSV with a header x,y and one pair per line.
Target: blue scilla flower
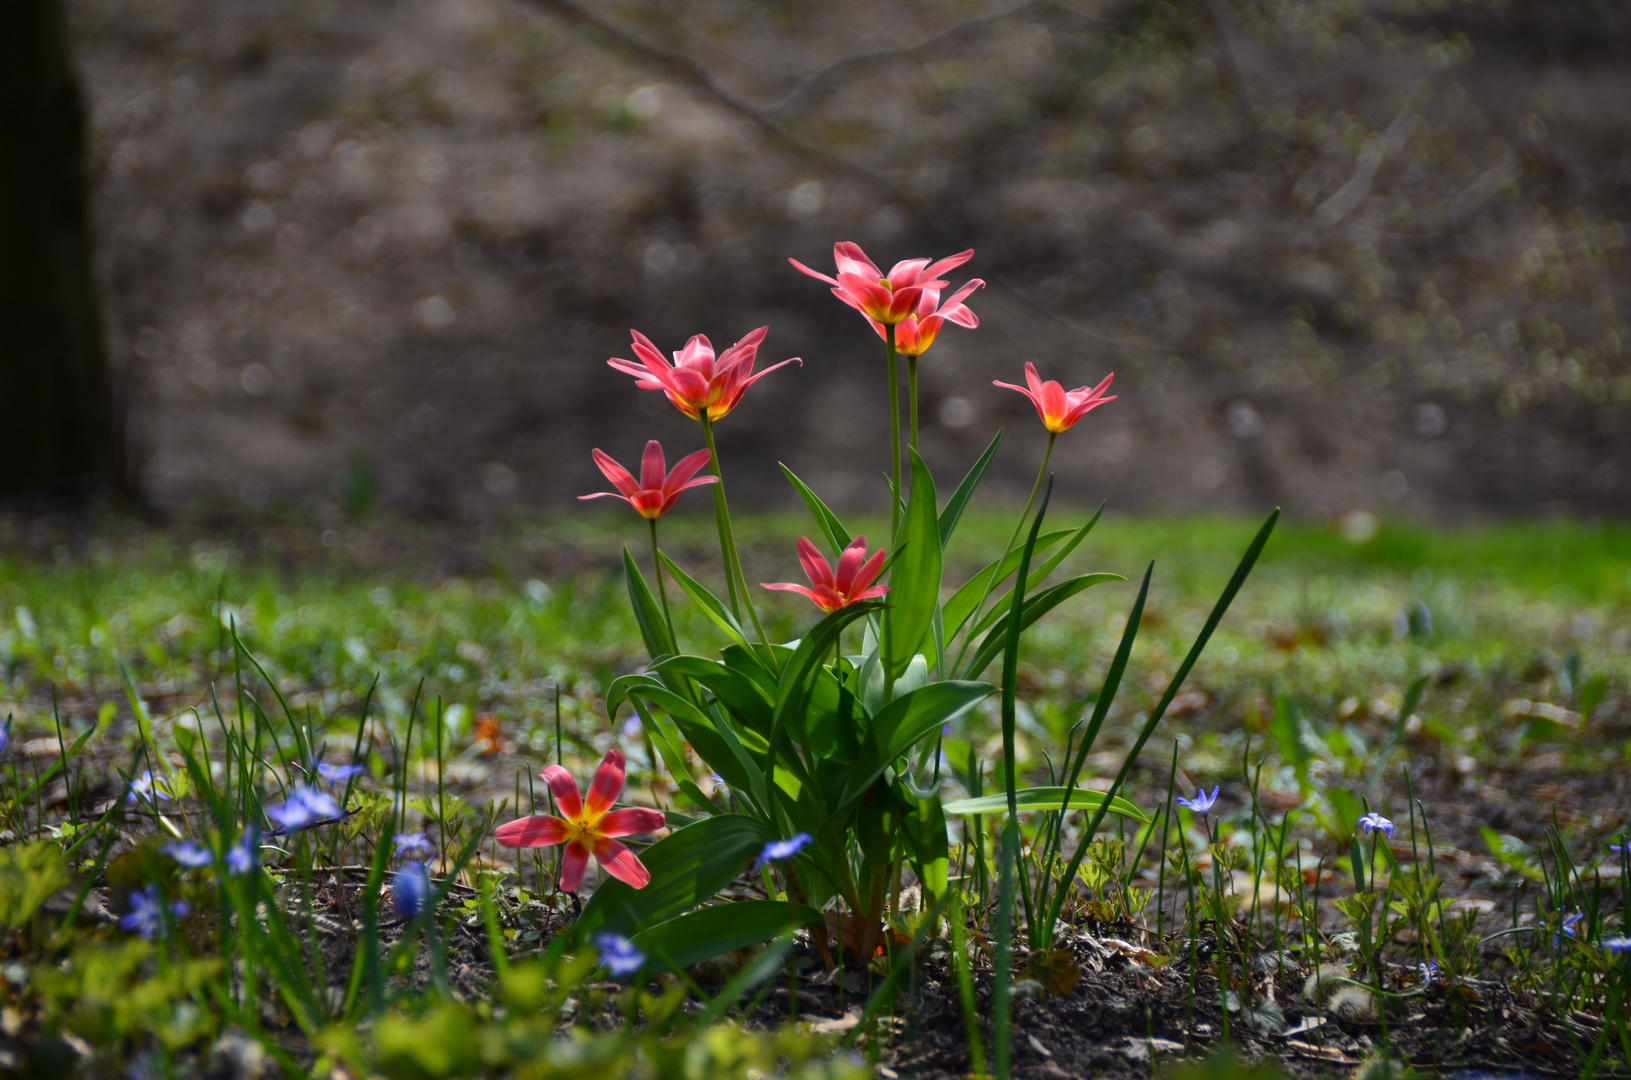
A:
x,y
5,735
410,841
1617,945
146,788
146,917
618,954
1374,822
1428,970
306,806
410,888
1202,802
189,855
777,850
245,855
337,774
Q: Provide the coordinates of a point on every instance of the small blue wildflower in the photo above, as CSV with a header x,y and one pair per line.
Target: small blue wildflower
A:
x,y
146,916
5,736
337,774
410,841
1428,970
245,855
619,954
1374,822
410,888
146,787
188,854
1570,920
1617,945
306,807
1618,849
1202,802
782,849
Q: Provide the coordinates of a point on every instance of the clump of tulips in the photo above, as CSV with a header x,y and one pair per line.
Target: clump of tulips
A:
x,y
828,740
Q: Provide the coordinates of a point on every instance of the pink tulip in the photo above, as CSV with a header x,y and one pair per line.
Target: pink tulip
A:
x,y
915,333
585,827
654,493
697,382
898,295
1058,408
837,590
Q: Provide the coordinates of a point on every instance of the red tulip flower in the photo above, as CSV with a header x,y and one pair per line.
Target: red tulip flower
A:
x,y
585,827
849,584
697,382
654,493
915,333
1058,408
896,296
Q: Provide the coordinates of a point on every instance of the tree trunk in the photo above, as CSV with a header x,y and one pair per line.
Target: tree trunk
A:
x,y
56,423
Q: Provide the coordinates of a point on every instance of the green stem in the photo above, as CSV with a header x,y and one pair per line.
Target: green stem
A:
x,y
991,582
894,439
727,542
662,589
911,397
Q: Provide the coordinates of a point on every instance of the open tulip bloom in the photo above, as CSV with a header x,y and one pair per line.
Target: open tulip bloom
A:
x,y
832,590
892,297
1060,408
655,493
586,827
699,384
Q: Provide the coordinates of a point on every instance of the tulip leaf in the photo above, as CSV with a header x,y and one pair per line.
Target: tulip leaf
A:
x,y
718,929
961,605
925,830
687,867
833,529
1044,798
708,602
713,740
672,756
959,498
745,698
653,627
904,721
1035,607
1037,577
914,580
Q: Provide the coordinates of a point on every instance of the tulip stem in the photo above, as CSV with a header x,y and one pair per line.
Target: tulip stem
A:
x,y
662,590
911,396
894,440
727,543
996,573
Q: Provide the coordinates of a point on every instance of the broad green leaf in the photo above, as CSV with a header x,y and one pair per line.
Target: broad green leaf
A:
x,y
959,498
745,698
718,929
1286,728
671,753
833,529
961,605
687,868
1038,576
713,741
914,581
904,721
708,602
653,627
1035,607
925,830
1044,798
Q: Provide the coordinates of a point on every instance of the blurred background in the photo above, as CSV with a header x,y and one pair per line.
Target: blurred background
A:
x,y
333,258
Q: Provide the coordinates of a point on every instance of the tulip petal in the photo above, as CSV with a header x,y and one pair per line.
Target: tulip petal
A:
x,y
679,478
652,466
867,574
852,260
620,477
813,273
906,272
849,561
642,374
565,789
815,564
788,586
606,785
630,821
574,862
1033,380
540,831
950,262
618,861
